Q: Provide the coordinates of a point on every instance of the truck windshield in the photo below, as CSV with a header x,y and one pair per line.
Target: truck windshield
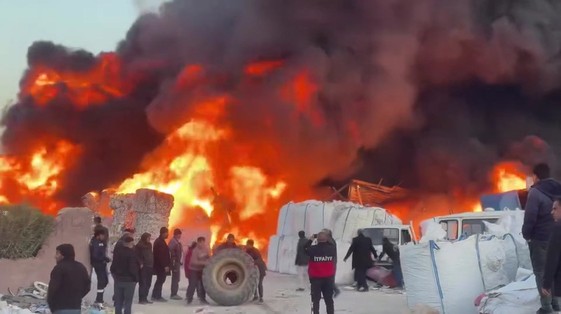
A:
x,y
378,234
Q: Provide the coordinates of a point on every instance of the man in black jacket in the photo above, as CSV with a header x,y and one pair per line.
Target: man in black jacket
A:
x,y
321,270
361,248
392,251
146,259
125,271
538,222
162,263
552,273
99,260
301,261
99,226
69,284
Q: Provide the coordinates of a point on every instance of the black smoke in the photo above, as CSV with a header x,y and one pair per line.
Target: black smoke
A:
x,y
429,94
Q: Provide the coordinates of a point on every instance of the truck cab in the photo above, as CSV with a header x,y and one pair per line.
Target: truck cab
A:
x,y
466,224
397,234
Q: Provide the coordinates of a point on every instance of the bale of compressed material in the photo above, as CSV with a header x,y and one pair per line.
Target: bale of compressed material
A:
x,y
145,211
23,230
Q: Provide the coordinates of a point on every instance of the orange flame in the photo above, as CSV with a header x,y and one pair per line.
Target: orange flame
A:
x,y
37,178
508,177
83,89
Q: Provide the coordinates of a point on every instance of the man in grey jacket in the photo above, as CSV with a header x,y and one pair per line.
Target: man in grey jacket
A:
x,y
176,252
538,223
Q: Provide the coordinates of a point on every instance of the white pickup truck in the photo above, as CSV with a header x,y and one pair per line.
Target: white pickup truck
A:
x,y
397,234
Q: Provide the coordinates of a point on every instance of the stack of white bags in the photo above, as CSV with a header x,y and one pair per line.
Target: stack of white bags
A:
x,y
450,276
343,218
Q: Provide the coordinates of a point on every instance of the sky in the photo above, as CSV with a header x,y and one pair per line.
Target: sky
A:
x,y
92,25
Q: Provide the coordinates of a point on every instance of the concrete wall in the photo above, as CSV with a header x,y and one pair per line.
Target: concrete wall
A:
x,y
74,226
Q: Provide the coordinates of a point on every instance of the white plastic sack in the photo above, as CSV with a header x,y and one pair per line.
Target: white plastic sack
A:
x,y
431,230
519,297
347,218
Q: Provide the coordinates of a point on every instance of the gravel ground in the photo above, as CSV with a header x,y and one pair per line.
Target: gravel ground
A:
x,y
280,297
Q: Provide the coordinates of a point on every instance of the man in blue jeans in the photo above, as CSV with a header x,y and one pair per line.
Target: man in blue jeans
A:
x,y
392,251
538,223
552,272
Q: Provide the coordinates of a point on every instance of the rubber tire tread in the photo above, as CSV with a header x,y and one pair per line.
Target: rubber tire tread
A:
x,y
230,297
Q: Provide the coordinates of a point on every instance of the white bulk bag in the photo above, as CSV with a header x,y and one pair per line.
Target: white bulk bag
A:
x,y
443,275
347,218
519,297
318,216
497,259
344,274
309,216
282,254
292,218
273,253
419,275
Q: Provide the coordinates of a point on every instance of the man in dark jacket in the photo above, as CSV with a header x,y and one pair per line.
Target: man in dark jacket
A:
x,y
125,270
392,251
99,260
176,252
146,259
301,261
126,233
69,284
252,251
538,222
162,263
321,270
361,248
552,273
102,228
229,244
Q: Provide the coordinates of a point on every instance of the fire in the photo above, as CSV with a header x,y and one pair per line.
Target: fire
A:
x,y
93,86
508,177
263,67
35,179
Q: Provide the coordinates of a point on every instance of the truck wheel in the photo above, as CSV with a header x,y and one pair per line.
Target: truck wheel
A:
x,y
230,278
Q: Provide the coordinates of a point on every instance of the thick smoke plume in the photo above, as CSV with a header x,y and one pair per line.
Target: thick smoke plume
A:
x,y
429,94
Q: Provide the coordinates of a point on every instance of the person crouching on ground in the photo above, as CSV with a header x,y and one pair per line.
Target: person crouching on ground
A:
x,y
392,251
552,272
99,260
321,270
176,252
301,261
199,259
125,270
69,284
146,259
252,251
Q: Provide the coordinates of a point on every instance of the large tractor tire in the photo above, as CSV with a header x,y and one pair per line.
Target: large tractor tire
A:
x,y
230,278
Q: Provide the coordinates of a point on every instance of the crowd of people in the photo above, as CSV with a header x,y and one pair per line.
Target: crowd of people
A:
x,y
133,264
316,258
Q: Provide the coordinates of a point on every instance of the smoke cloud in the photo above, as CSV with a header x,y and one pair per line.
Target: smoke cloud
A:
x,y
428,94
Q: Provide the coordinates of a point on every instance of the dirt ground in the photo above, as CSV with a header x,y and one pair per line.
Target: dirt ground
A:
x,y
280,297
